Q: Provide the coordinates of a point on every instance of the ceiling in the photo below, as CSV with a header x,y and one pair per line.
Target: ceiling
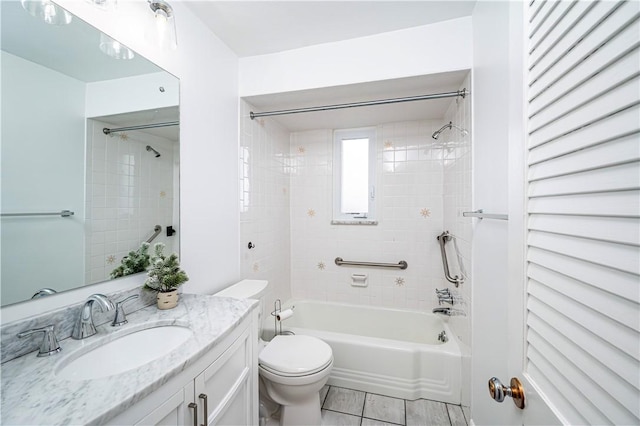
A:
x,y
260,27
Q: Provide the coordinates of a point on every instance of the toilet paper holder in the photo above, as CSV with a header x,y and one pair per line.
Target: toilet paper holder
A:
x,y
280,315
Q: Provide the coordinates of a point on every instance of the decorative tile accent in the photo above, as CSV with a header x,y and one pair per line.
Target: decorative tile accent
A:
x,y
399,281
301,150
311,212
111,259
256,267
425,213
388,145
123,136
321,265
163,194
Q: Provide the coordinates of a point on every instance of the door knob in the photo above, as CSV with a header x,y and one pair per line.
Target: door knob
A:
x,y
498,391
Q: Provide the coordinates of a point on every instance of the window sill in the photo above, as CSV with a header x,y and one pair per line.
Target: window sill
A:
x,y
354,222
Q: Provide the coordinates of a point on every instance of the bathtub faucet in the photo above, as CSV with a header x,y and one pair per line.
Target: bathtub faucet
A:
x,y
450,312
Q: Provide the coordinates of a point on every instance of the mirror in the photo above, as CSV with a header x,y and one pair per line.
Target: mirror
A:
x,y
59,92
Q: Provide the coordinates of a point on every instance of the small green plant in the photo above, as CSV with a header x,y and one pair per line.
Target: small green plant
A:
x,y
164,274
134,262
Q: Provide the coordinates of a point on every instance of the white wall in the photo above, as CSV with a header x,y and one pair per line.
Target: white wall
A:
x,y
435,48
40,252
491,107
138,93
208,73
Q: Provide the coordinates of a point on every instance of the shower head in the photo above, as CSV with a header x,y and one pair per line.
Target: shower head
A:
x,y
149,148
449,125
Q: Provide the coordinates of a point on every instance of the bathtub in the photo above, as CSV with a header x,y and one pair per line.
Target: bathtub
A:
x,y
385,351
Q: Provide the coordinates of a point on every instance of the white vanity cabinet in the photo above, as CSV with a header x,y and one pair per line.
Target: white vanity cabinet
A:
x,y
221,387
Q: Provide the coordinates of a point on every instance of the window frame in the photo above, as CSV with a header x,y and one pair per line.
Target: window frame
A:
x,y
369,217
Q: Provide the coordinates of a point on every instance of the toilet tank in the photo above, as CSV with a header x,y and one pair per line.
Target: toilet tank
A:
x,y
249,289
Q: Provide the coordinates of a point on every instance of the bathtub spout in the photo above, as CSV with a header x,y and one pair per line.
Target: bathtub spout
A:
x,y
450,312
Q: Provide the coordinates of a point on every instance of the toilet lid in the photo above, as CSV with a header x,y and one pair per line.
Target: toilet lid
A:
x,y
295,355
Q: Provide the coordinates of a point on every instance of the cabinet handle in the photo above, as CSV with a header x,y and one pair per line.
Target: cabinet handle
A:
x,y
195,412
203,397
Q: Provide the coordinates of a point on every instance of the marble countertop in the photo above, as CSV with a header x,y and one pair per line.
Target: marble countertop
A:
x,y
32,394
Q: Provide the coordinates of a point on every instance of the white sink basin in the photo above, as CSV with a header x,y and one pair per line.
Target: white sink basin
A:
x,y
124,353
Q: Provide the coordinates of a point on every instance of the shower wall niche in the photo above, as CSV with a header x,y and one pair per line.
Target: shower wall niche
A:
x,y
129,191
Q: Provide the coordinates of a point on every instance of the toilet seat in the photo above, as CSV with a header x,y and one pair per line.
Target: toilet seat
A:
x,y
293,356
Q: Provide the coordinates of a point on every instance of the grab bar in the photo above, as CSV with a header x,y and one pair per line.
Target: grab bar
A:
x,y
63,213
482,215
156,231
400,265
443,238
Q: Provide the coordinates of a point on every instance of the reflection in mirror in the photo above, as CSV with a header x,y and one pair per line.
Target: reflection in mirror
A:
x,y
59,91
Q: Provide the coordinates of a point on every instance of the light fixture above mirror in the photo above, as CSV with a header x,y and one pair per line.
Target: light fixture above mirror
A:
x,y
47,11
104,4
163,32
114,48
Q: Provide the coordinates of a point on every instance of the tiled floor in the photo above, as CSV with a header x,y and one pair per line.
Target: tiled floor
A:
x,y
346,407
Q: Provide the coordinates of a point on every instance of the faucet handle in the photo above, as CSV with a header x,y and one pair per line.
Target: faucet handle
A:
x,y
120,318
49,345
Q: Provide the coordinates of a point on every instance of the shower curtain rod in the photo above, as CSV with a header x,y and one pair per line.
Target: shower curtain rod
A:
x,y
461,93
108,131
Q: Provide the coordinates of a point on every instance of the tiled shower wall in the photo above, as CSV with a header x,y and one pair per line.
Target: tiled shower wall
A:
x,y
458,199
409,192
129,191
286,205
264,204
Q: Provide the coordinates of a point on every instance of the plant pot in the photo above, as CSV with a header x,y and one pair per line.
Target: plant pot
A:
x,y
167,300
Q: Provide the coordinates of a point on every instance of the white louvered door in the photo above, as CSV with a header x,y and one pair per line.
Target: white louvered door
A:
x,y
581,334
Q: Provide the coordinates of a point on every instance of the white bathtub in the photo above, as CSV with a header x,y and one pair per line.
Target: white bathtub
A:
x,y
386,351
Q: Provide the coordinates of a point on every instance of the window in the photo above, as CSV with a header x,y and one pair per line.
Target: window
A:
x,y
354,176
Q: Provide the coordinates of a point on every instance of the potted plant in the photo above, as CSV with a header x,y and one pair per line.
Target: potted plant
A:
x,y
164,277
134,262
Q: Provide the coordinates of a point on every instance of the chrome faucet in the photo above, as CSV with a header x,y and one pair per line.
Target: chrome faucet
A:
x,y
120,318
450,312
444,311
43,292
84,325
49,345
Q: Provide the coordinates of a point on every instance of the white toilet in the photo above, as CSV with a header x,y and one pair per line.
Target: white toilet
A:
x,y
292,369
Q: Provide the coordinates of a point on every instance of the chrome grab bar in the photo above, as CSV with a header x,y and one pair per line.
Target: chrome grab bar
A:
x,y
156,231
480,214
63,213
400,265
443,238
